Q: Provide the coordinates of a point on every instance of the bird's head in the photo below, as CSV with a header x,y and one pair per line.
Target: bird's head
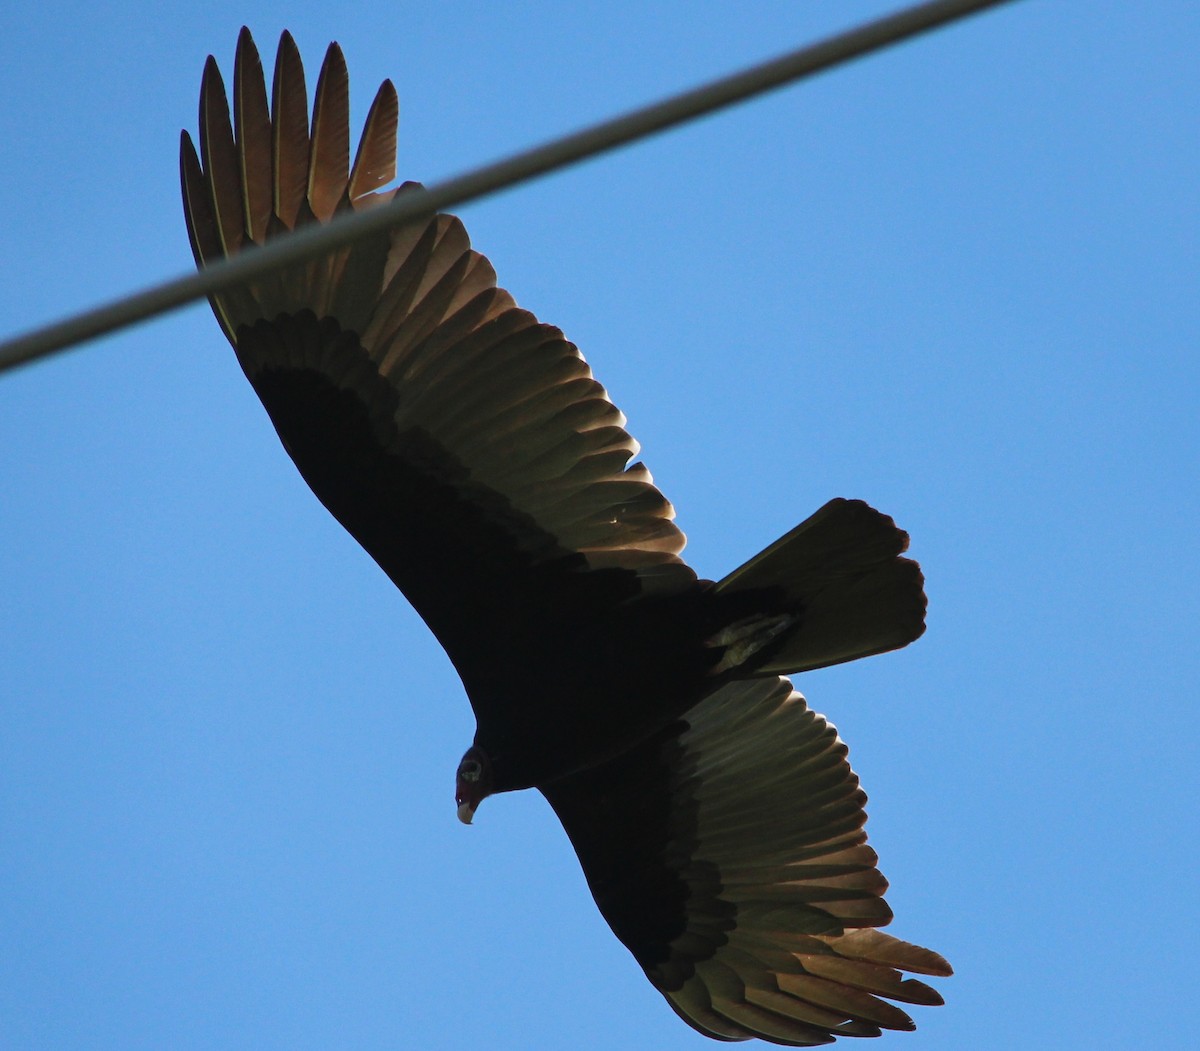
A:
x,y
473,783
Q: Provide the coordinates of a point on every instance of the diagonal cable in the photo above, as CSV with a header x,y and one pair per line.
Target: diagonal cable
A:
x,y
252,263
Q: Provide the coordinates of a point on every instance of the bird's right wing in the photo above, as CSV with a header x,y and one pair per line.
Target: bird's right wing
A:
x,y
728,854
463,443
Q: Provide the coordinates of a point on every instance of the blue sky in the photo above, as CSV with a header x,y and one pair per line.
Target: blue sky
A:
x,y
957,280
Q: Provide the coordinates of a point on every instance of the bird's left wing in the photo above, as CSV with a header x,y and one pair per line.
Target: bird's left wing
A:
x,y
463,443
728,854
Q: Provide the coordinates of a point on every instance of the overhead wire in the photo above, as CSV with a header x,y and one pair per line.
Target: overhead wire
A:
x,y
316,240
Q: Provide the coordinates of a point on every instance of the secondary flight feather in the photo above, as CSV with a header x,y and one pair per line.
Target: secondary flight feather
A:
x,y
470,451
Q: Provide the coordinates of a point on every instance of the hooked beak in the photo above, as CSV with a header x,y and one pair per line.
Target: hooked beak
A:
x,y
465,813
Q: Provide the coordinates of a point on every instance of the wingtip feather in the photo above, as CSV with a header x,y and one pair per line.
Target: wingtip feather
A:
x,y
375,162
289,131
219,156
252,132
329,160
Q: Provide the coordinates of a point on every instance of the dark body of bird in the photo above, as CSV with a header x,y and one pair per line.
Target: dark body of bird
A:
x,y
469,450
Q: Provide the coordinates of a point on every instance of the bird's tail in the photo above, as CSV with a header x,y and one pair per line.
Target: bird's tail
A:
x,y
836,589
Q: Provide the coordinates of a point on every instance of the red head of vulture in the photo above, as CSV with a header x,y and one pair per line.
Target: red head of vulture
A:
x,y
469,450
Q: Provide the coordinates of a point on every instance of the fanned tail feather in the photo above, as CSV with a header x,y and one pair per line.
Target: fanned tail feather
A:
x,y
840,578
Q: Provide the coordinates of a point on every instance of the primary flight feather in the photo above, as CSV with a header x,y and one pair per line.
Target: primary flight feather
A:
x,y
470,451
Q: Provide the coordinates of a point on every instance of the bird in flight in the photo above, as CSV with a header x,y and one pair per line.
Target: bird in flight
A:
x,y
467,447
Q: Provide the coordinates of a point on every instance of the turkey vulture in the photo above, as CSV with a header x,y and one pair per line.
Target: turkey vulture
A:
x,y
468,449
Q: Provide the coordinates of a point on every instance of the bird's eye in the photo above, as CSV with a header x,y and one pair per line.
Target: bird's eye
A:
x,y
470,769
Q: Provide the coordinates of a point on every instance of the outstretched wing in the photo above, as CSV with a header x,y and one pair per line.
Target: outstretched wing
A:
x,y
465,445
729,856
